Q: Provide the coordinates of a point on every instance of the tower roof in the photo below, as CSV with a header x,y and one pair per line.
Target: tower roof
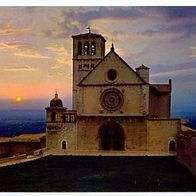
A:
x,y
88,35
56,102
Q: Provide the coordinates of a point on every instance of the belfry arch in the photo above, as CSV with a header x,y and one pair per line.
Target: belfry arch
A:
x,y
111,136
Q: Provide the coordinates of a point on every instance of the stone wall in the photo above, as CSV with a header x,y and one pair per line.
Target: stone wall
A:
x,y
186,151
134,131
59,133
160,133
140,134
159,104
13,158
12,148
24,147
135,100
5,149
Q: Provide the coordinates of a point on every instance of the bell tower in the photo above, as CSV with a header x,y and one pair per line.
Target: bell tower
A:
x,y
88,50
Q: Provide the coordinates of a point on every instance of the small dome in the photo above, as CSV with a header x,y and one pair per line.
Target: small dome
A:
x,y
56,102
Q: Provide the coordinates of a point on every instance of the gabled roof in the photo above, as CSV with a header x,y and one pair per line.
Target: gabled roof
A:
x,y
101,62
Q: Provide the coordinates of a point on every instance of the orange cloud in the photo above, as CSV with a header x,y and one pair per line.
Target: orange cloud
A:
x,y
58,49
56,67
13,31
6,46
31,54
16,69
193,52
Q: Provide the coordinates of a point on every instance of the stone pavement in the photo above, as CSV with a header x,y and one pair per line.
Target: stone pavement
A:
x,y
83,153
106,153
17,161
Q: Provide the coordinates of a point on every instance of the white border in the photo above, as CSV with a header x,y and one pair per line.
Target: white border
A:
x,y
97,3
103,194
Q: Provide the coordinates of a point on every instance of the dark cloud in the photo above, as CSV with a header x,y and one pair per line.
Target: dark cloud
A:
x,y
171,14
186,28
102,12
166,68
177,12
118,12
178,20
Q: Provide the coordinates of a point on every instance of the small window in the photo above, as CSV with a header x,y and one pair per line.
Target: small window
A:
x,y
79,66
86,66
72,118
93,48
79,48
64,118
86,48
92,66
53,117
112,74
172,146
67,118
64,145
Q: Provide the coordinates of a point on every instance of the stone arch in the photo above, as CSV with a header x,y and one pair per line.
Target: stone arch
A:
x,y
79,48
172,146
111,136
53,117
93,48
86,48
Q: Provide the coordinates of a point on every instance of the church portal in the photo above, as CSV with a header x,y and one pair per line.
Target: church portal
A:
x,y
111,136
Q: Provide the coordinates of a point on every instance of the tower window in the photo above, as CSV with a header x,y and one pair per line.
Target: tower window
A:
x,y
79,48
93,48
86,48
53,117
64,118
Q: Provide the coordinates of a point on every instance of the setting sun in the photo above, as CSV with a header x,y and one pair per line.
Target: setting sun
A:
x,y
18,99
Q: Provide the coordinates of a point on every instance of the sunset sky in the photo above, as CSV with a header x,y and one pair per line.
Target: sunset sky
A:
x,y
36,49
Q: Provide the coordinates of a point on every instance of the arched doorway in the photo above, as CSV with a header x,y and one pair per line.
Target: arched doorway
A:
x,y
64,145
172,146
111,136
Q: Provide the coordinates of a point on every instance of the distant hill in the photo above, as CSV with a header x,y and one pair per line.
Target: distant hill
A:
x,y
16,122
191,116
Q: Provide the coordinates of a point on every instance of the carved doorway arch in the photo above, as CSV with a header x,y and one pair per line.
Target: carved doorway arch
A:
x,y
111,136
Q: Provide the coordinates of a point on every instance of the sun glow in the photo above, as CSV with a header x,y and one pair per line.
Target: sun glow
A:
x,y
18,99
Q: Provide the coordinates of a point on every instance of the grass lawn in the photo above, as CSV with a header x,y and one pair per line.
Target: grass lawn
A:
x,y
97,174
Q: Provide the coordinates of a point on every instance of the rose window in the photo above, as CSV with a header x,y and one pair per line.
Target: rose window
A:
x,y
112,99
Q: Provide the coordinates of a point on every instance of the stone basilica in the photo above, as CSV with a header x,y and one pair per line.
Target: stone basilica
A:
x,y
115,108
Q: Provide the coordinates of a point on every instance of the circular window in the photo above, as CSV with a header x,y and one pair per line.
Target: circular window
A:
x,y
112,74
111,99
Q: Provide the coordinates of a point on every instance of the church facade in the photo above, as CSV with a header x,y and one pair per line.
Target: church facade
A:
x,y
115,108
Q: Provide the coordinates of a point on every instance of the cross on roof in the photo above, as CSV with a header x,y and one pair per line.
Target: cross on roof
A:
x,y
89,28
